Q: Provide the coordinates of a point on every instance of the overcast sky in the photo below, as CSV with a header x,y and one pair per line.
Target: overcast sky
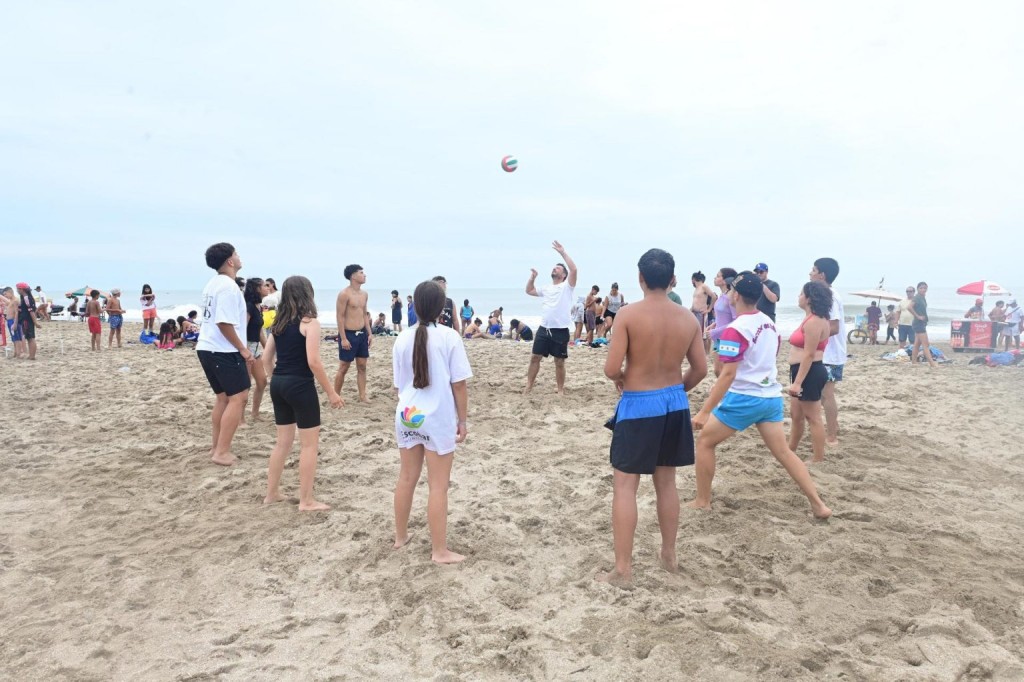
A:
x,y
315,134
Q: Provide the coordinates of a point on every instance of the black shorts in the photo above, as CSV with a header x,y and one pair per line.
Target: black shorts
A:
x,y
553,342
360,343
526,334
28,327
295,401
226,372
396,316
651,429
814,382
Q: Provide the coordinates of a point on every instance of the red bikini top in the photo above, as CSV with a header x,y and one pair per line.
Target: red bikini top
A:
x,y
796,339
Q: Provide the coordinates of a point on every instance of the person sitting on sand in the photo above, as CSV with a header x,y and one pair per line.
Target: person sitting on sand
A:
x,y
651,431
748,393
520,331
294,343
380,327
430,370
472,329
165,338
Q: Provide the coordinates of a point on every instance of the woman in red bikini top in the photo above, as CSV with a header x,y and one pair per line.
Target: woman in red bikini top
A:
x,y
807,372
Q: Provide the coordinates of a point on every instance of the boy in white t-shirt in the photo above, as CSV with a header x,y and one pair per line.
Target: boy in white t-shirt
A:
x,y
552,337
826,270
748,393
222,350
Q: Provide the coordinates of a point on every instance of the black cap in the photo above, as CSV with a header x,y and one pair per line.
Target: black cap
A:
x,y
748,285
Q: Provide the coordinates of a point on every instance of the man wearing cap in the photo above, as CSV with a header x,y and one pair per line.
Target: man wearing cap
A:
x,y
1014,315
769,291
115,317
976,311
905,329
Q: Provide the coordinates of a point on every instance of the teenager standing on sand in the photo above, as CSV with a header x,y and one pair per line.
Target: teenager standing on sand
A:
x,y
748,394
221,348
807,372
430,369
552,337
354,330
826,270
651,427
294,342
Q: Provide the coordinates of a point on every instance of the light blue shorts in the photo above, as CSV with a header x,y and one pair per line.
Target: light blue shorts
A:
x,y
738,411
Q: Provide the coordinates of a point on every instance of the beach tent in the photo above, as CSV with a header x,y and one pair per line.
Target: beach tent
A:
x,y
983,287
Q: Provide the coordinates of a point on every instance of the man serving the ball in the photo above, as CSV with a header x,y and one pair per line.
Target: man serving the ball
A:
x,y
552,337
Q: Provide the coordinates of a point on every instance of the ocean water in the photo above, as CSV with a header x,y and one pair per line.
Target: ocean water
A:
x,y
944,304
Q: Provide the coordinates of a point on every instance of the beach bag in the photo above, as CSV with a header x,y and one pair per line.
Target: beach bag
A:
x,y
146,337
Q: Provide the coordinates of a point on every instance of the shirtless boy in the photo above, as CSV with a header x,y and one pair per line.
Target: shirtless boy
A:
x,y
115,317
353,330
747,393
93,310
652,432
704,299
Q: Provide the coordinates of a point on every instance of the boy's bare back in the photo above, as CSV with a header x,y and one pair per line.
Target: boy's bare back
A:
x,y
657,336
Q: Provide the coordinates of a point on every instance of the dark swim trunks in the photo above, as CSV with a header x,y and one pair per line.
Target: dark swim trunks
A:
x,y
651,429
360,342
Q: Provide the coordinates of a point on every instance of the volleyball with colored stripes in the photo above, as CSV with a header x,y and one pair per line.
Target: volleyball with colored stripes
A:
x,y
509,164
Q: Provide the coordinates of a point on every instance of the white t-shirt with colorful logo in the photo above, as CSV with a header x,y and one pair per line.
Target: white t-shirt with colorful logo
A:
x,y
428,416
752,341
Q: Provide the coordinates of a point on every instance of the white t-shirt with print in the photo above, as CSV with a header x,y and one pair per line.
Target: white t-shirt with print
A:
x,y
222,302
428,416
557,305
835,351
752,342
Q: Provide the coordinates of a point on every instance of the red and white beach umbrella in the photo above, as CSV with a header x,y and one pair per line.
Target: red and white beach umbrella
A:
x,y
983,287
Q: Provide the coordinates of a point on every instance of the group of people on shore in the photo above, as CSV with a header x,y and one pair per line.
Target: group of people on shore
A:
x,y
1007,316
652,426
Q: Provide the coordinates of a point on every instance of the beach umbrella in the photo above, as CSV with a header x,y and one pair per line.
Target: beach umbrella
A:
x,y
983,287
84,291
878,294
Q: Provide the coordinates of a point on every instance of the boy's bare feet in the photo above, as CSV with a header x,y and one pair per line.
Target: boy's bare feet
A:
x,y
313,506
832,443
667,559
697,504
814,460
402,542
820,511
446,557
271,499
613,577
225,460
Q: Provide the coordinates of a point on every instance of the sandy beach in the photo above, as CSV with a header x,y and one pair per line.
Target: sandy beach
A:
x,y
125,554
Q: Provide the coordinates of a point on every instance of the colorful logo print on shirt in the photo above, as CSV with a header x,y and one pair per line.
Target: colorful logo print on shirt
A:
x,y
411,417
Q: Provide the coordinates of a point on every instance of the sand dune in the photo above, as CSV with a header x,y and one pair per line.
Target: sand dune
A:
x,y
125,554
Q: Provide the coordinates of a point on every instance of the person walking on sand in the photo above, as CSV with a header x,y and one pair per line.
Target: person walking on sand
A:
x,y
221,348
807,373
294,343
892,320
919,309
354,337
93,310
651,431
748,394
552,337
430,371
615,300
826,270
115,317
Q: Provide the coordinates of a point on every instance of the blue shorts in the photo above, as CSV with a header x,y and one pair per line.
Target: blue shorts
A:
x,y
651,429
835,373
14,331
738,411
360,342
115,321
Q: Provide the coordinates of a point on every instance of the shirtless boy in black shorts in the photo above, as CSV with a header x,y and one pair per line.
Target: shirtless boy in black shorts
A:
x,y
652,432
